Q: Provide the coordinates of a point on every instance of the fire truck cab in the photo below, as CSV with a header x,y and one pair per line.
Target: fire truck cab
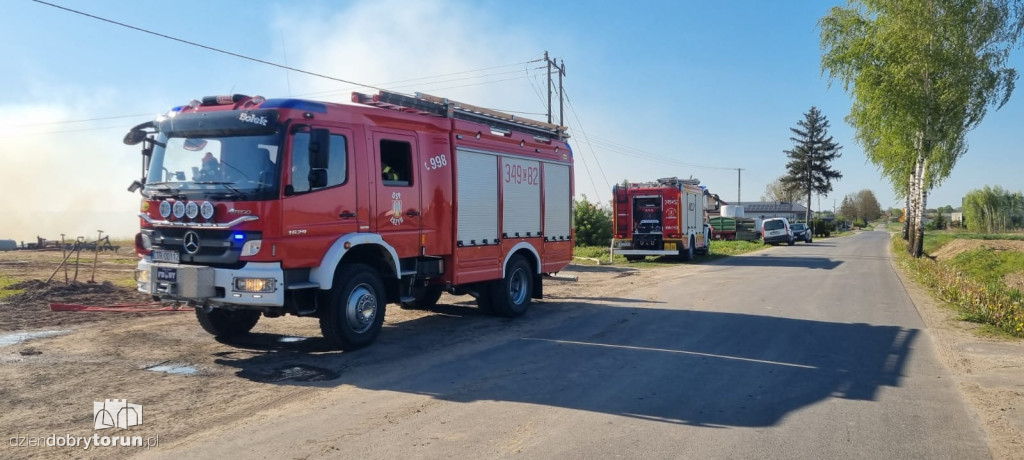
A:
x,y
664,217
263,207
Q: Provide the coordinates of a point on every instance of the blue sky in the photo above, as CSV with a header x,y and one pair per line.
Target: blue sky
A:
x,y
657,89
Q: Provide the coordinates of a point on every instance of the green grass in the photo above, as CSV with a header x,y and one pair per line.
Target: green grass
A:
x,y
935,240
972,284
988,265
8,281
718,249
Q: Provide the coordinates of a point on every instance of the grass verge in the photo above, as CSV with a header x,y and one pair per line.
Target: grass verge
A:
x,y
585,255
976,298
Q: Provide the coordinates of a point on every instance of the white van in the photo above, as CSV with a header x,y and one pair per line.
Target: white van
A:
x,y
777,230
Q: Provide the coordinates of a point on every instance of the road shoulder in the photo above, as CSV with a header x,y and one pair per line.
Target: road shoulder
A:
x,y
989,371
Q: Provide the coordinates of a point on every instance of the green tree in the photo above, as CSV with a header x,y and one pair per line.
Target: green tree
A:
x,y
922,73
868,206
993,210
593,224
777,191
809,168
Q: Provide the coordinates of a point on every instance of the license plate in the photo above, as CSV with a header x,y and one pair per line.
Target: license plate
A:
x,y
165,256
166,275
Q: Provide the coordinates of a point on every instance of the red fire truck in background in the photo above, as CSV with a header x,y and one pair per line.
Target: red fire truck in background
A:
x,y
263,207
664,217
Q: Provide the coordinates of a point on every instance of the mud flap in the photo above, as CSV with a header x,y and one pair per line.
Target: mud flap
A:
x,y
538,287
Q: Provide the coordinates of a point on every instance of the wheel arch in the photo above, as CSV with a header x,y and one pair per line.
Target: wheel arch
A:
x,y
528,252
366,248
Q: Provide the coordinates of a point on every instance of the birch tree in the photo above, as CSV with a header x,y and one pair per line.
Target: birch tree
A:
x,y
922,73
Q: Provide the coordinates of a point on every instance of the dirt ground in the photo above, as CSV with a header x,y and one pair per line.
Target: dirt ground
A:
x,y
49,384
109,284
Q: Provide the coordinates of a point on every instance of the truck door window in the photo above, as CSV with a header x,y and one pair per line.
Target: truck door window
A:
x,y
337,167
395,163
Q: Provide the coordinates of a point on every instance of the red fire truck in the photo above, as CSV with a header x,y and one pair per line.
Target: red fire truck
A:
x,y
263,207
664,217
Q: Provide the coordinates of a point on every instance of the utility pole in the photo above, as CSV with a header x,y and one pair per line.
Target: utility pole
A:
x,y
548,61
561,107
561,73
739,182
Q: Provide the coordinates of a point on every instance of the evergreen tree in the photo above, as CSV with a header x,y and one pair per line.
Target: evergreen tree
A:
x,y
809,167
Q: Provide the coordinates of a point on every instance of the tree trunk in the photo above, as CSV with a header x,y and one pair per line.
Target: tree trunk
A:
x,y
807,213
915,211
906,213
922,191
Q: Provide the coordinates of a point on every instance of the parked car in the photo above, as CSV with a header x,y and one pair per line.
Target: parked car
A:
x,y
801,232
777,230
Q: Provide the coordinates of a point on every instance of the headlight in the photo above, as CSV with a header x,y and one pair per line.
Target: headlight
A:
x,y
179,209
251,247
191,209
255,284
206,210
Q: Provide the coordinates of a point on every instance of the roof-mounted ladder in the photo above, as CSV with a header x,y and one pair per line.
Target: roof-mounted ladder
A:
x,y
432,105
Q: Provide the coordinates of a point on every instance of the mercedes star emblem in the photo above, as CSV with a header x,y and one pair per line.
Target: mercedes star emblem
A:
x,y
191,242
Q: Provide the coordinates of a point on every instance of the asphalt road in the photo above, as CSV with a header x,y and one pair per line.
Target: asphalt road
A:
x,y
811,351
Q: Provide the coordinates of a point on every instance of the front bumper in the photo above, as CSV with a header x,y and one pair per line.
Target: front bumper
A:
x,y
208,285
627,248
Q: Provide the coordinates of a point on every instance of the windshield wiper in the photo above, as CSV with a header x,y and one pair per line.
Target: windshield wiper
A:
x,y
235,193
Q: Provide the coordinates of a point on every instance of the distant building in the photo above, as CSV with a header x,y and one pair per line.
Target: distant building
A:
x,y
765,210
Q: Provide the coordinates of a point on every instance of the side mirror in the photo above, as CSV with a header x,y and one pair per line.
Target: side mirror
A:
x,y
319,149
136,185
317,178
134,137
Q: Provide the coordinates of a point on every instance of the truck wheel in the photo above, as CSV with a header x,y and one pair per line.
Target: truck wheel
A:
x,y
510,296
706,249
426,297
355,306
483,300
225,324
792,241
688,254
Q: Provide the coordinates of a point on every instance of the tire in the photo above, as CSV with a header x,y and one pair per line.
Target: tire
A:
x,y
510,296
426,297
354,308
483,300
226,324
792,241
634,258
688,255
706,250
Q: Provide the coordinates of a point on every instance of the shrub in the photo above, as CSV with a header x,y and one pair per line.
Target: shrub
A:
x,y
593,224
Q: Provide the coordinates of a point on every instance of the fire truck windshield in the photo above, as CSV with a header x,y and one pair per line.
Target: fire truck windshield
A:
x,y
239,167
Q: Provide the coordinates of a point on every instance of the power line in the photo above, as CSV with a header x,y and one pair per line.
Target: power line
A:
x,y
579,123
387,84
229,53
65,122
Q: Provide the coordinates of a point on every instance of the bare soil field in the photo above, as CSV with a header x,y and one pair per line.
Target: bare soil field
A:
x,y
110,284
167,363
